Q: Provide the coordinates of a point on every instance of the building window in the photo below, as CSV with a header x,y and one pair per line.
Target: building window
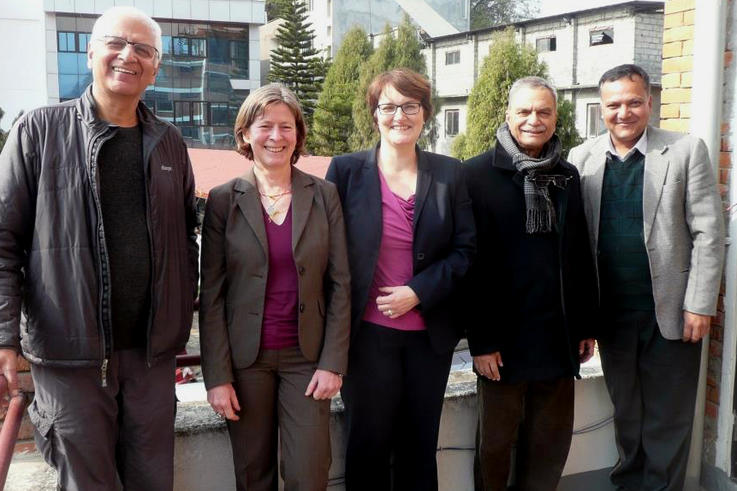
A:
x,y
67,42
544,45
451,122
452,57
194,47
594,121
601,36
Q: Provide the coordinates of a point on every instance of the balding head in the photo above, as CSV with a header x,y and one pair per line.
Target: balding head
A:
x,y
113,14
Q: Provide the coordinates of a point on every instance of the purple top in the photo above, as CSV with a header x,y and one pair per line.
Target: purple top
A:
x,y
394,266
279,328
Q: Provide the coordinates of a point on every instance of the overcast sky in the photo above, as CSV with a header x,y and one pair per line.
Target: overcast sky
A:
x,y
554,7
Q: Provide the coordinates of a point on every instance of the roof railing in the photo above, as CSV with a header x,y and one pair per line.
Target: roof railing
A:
x,y
10,427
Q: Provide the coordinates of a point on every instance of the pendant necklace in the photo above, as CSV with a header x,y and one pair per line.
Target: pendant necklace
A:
x,y
274,199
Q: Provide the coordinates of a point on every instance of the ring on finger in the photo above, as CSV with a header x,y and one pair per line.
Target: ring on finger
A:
x,y
390,312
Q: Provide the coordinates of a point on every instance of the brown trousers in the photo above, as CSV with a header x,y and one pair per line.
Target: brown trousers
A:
x,y
271,394
538,416
99,438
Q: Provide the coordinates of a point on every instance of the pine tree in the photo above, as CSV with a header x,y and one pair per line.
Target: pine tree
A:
x,y
332,120
566,128
294,62
402,51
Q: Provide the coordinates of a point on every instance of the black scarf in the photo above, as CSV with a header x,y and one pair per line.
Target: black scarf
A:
x,y
539,207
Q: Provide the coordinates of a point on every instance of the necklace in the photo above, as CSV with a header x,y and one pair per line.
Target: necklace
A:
x,y
273,200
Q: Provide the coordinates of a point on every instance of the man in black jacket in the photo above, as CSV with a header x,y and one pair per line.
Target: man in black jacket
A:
x,y
97,247
530,294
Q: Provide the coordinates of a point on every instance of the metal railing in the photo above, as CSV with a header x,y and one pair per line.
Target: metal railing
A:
x,y
10,428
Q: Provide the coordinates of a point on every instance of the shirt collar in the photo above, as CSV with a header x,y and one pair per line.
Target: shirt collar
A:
x,y
640,146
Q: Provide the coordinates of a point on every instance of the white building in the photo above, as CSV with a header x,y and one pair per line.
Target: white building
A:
x,y
577,47
210,58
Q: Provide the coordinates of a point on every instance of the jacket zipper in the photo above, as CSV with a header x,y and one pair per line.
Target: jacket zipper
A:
x,y
103,266
152,292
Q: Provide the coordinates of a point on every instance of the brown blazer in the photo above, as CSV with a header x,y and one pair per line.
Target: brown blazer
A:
x,y
234,268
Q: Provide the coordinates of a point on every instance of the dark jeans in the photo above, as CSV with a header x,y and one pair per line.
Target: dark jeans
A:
x,y
393,393
539,415
271,394
98,437
652,382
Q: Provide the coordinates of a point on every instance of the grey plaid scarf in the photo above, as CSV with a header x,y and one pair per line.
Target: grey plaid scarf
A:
x,y
539,207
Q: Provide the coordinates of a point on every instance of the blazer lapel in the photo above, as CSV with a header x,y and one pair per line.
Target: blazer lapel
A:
x,y
656,168
371,185
303,192
250,205
424,179
592,180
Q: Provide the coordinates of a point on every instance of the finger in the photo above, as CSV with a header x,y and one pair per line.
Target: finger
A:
x,y
311,386
383,299
234,401
495,372
12,377
687,331
387,289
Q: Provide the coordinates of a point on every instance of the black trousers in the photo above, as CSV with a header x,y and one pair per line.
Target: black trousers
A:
x,y
393,394
539,417
652,382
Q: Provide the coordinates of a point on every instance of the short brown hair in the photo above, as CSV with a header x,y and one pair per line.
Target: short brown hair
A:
x,y
407,82
255,105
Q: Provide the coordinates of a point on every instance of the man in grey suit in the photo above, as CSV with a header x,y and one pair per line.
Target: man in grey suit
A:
x,y
657,231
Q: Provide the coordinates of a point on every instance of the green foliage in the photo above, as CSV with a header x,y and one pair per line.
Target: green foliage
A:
x,y
487,13
458,145
487,104
294,62
402,51
333,121
274,9
566,128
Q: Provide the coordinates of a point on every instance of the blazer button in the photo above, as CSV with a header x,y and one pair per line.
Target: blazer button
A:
x,y
301,307
420,256
301,270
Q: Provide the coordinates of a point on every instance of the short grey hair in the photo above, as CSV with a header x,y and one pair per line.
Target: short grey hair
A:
x,y
532,83
114,13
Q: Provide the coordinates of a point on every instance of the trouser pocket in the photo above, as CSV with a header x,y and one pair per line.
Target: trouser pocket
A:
x,y
44,431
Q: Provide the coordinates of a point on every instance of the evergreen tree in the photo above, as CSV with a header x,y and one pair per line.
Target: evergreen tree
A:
x,y
294,62
486,13
333,121
487,103
566,128
402,51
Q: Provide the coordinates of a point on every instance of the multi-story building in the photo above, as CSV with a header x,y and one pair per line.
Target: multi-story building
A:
x,y
577,48
331,19
210,58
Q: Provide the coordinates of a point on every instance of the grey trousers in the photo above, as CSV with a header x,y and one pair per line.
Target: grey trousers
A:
x,y
652,382
271,394
99,438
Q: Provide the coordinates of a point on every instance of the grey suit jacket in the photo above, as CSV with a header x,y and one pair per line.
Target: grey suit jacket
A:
x,y
683,224
235,269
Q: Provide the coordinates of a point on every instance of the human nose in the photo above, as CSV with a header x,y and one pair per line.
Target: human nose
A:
x,y
127,52
623,111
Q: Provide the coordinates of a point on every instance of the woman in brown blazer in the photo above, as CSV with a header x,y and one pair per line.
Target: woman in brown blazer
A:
x,y
275,301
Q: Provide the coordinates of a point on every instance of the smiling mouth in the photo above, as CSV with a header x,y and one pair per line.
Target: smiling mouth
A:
x,y
275,149
118,69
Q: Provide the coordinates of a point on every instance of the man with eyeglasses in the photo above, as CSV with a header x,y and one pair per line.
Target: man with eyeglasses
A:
x,y
530,294
97,248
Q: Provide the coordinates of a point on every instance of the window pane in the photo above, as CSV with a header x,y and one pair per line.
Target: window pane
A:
x,y
66,41
82,63
165,45
182,114
68,86
198,113
219,114
181,46
83,38
67,63
197,47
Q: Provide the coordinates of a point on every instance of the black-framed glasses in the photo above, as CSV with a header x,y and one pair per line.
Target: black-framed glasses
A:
x,y
408,108
118,44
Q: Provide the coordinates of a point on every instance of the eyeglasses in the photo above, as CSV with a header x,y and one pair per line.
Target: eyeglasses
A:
x,y
118,44
408,108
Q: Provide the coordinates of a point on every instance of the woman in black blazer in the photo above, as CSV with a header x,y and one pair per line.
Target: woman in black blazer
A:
x,y
410,235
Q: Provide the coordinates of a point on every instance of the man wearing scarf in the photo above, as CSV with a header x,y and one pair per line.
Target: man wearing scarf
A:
x,y
530,295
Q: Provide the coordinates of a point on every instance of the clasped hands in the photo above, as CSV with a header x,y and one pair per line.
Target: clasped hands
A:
x,y
396,301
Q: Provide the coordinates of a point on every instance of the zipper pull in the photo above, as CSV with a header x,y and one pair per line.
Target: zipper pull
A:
x,y
104,372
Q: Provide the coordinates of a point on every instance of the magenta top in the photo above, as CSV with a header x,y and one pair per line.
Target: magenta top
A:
x,y
394,266
279,328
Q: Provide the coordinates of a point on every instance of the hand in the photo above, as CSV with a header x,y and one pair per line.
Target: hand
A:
x,y
8,365
585,349
324,385
398,300
224,402
488,365
695,326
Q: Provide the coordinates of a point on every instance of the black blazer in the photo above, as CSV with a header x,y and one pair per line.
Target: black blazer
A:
x,y
531,297
444,235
